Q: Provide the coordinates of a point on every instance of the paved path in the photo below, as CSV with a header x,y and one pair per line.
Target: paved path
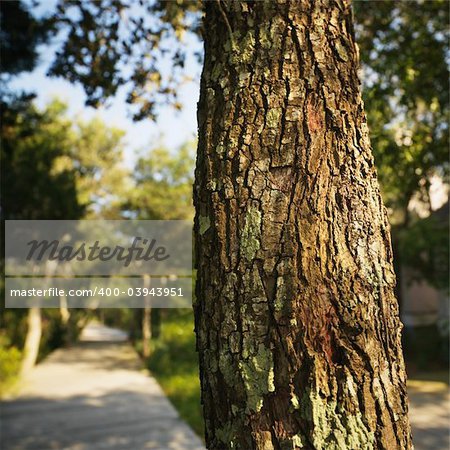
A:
x,y
429,415
93,396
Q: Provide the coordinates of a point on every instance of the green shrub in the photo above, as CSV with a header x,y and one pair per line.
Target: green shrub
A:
x,y
10,360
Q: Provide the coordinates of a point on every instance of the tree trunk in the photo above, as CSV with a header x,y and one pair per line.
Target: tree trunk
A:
x,y
146,320
64,310
32,340
297,324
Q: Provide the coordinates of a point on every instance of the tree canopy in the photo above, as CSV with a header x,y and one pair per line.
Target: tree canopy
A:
x,y
34,185
114,43
163,185
20,34
54,167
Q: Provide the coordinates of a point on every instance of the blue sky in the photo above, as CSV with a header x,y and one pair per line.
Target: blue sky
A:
x,y
172,128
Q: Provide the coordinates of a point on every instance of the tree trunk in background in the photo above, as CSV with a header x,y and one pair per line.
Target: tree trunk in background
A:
x,y
64,310
146,331
297,324
146,321
32,340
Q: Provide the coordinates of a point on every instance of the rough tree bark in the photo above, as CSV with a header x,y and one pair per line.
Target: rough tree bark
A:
x,y
297,324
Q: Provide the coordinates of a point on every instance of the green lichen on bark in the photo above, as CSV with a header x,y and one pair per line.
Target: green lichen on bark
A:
x,y
213,185
220,149
204,224
242,53
273,118
217,72
258,375
226,366
297,441
293,443
226,435
333,427
251,234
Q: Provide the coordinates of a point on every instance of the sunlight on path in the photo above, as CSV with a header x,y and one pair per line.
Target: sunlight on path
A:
x,y
93,396
96,332
429,414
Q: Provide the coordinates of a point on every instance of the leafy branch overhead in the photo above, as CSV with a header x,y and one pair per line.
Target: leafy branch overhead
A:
x,y
20,33
108,44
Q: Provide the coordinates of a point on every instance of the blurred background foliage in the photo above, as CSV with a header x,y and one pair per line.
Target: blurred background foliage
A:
x,y
57,167
163,185
405,58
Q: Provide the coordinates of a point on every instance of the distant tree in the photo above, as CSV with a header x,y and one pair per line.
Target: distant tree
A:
x,y
162,190
163,185
20,35
404,48
51,168
34,185
425,247
54,168
101,179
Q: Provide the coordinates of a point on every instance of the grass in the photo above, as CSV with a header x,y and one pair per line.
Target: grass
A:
x,y
174,363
